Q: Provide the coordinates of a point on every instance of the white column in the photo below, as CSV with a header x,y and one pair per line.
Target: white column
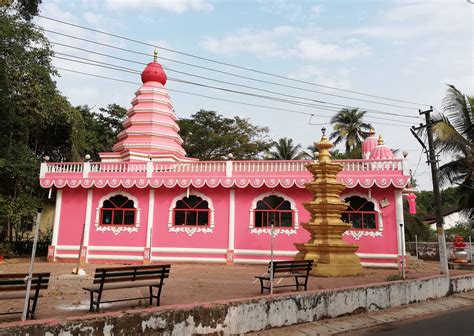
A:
x,y
57,215
399,220
151,211
231,219
87,223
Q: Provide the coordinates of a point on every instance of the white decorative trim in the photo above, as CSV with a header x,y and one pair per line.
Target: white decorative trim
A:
x,y
379,265
116,248
188,250
231,242
377,256
276,231
188,229
57,216
116,229
189,259
67,247
60,179
87,223
359,233
114,257
68,255
151,213
265,253
399,220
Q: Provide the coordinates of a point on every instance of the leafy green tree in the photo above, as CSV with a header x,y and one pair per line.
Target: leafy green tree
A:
x,y
414,226
454,136
349,127
102,129
462,228
284,149
36,119
210,136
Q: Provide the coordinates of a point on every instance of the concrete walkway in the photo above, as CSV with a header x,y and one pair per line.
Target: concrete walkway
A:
x,y
347,324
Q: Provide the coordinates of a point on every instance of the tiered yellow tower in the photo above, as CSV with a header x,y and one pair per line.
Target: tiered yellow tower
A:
x,y
332,256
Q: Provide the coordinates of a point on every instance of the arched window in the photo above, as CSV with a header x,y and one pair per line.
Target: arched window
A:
x,y
191,211
118,210
273,209
361,213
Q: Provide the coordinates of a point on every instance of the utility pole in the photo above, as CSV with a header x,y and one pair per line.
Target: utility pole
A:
x,y
433,162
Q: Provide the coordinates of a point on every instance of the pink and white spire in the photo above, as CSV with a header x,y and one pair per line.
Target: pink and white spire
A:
x,y
369,144
150,129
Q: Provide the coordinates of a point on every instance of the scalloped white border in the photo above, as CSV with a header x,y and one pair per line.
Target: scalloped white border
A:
x,y
211,182
187,229
116,229
276,231
357,234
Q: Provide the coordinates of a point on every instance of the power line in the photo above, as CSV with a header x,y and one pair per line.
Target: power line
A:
x,y
245,68
209,69
226,82
213,98
134,71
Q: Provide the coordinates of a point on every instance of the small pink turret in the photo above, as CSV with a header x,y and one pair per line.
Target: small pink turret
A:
x,y
150,131
369,144
381,151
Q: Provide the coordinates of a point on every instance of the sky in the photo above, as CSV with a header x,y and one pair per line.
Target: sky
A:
x,y
403,50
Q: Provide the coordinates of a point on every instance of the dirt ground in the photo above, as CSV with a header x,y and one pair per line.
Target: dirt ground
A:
x,y
188,283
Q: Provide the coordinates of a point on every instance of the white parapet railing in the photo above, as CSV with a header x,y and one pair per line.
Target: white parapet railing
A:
x,y
118,167
371,165
269,166
227,168
191,167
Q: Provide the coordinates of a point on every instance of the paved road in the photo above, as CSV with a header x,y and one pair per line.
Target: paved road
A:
x,y
453,315
459,322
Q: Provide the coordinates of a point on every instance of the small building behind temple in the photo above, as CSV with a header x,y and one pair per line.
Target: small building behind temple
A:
x,y
146,201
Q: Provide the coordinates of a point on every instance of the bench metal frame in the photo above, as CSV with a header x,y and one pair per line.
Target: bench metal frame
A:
x,y
287,269
129,275
17,282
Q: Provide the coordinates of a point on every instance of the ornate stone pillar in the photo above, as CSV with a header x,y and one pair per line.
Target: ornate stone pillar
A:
x,y
332,256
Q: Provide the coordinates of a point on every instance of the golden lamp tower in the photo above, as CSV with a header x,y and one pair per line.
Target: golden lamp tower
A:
x,y
332,256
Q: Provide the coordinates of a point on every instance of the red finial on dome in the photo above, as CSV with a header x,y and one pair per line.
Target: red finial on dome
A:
x,y
154,71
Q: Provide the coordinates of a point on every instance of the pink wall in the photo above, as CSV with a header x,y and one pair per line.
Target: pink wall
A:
x,y
387,243
74,206
244,239
218,239
72,217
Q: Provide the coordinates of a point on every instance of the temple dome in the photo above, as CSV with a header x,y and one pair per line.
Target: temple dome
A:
x,y
154,72
369,144
381,151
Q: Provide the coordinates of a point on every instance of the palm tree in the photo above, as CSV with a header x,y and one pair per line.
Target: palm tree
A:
x,y
454,136
349,127
285,150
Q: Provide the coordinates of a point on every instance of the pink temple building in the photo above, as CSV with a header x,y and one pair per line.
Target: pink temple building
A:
x,y
147,202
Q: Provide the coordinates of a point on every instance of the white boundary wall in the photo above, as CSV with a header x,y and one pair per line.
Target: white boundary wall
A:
x,y
246,315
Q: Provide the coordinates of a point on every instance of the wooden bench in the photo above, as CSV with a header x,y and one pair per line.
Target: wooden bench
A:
x,y
151,276
287,269
13,286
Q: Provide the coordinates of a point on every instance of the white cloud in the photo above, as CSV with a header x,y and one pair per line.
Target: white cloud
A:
x,y
286,41
175,6
312,49
316,10
316,74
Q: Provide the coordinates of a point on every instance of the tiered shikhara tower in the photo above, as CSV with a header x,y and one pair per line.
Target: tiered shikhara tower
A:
x,y
332,256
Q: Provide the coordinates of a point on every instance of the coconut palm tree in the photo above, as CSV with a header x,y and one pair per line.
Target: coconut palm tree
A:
x,y
454,136
349,126
283,149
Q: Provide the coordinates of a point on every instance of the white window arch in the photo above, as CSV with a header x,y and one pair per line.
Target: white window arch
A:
x,y
191,229
361,232
117,228
282,226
